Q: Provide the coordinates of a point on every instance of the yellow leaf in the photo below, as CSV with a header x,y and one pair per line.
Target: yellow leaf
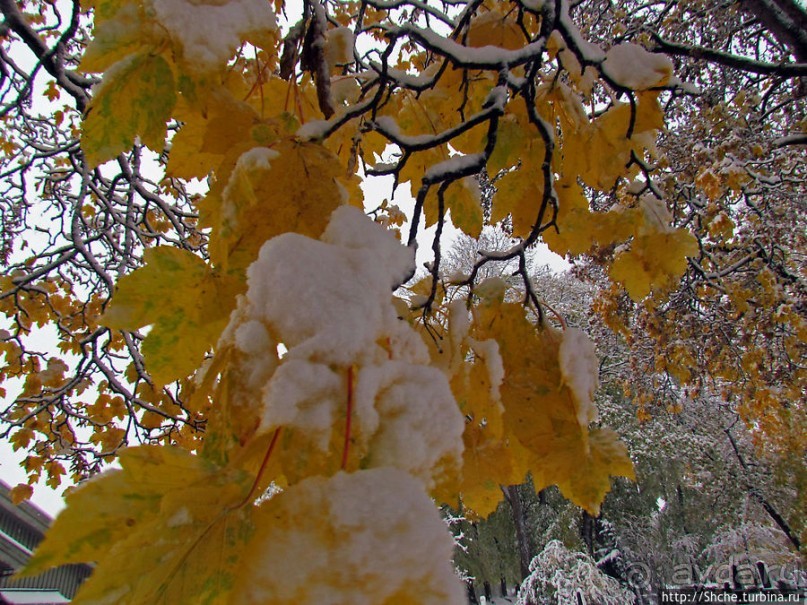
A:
x,y
519,194
120,29
462,200
599,152
542,412
296,190
186,301
654,259
187,160
494,28
488,463
579,229
135,98
511,138
20,493
167,528
583,473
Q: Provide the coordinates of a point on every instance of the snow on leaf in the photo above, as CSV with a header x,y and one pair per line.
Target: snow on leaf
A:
x,y
296,191
368,537
543,413
633,67
210,31
579,367
120,29
353,389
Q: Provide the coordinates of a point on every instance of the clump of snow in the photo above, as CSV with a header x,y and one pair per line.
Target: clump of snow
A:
x,y
350,228
304,394
325,299
364,538
411,414
339,46
255,355
579,368
313,130
252,338
634,67
330,303
657,217
210,31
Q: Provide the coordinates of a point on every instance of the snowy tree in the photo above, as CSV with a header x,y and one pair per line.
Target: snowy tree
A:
x,y
559,576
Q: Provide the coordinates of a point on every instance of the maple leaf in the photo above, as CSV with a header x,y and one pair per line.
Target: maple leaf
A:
x,y
462,200
493,28
135,99
187,302
20,493
547,416
653,261
582,470
120,29
519,194
298,186
166,528
488,463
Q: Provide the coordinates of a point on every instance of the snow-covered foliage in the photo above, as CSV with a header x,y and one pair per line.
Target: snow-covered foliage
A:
x,y
361,538
748,543
557,575
209,32
329,303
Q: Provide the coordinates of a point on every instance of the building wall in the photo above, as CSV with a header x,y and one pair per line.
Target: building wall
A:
x,y
22,528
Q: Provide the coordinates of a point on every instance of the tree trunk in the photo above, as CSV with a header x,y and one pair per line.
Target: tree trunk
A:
x,y
588,532
513,498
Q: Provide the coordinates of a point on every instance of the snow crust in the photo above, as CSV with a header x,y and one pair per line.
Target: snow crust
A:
x,y
474,56
488,351
632,66
579,368
313,130
363,538
454,165
211,31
